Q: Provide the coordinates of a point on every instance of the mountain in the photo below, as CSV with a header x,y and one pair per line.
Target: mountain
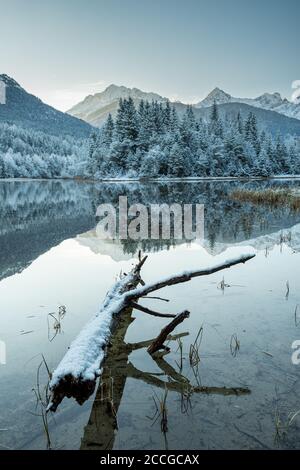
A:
x,y
28,111
268,101
268,120
94,109
217,95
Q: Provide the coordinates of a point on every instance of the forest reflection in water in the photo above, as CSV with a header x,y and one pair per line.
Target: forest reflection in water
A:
x,y
47,235
35,216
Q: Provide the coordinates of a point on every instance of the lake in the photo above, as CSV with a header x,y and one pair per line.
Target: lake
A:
x,y
244,320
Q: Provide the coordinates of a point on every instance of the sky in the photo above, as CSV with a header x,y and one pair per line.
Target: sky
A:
x,y
63,50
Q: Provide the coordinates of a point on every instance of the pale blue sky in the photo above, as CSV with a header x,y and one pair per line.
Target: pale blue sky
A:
x,y
62,50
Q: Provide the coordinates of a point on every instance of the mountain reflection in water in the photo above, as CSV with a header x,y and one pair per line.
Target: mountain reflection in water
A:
x,y
38,215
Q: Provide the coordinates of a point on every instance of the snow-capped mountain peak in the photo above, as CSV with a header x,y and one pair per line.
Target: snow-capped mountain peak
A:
x,y
216,95
269,101
95,108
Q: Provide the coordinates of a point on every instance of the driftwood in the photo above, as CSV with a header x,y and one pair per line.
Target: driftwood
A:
x,y
77,373
78,387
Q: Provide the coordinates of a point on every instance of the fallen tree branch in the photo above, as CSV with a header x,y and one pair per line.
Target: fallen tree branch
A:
x,y
186,276
158,343
76,374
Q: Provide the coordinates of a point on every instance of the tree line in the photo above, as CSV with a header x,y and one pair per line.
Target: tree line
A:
x,y
151,140
27,153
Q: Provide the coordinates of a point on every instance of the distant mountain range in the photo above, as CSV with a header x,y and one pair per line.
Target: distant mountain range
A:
x,y
95,109
273,113
28,111
269,101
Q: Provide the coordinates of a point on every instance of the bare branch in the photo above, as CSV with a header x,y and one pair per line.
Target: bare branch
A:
x,y
151,312
145,344
156,298
158,343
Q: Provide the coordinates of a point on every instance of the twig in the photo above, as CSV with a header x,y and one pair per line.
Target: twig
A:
x,y
234,345
151,312
297,321
287,290
156,298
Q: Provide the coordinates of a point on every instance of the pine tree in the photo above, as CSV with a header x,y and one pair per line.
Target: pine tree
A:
x,y
214,115
239,124
261,165
176,165
282,156
167,116
91,155
150,166
174,121
131,120
120,122
108,131
216,126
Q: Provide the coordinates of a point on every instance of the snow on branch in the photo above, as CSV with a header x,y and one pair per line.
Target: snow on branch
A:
x,y
187,276
76,374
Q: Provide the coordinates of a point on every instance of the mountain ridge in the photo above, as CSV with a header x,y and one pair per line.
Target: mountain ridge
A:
x,y
268,101
97,114
28,111
95,109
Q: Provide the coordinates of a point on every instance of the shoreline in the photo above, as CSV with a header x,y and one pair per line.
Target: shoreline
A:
x,y
189,179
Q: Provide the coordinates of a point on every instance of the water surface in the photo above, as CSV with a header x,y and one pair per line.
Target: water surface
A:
x,y
50,256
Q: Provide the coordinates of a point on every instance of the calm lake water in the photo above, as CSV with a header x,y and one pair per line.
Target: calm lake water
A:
x,y
50,256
